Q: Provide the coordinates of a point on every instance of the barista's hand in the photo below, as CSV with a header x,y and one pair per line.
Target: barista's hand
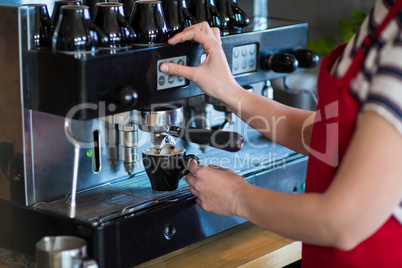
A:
x,y
216,188
213,76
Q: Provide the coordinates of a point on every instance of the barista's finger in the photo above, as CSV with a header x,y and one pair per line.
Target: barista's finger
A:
x,y
198,202
188,34
190,179
192,190
202,26
177,69
195,34
193,167
217,34
216,167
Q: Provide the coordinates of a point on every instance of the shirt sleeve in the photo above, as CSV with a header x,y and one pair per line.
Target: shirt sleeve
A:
x,y
384,94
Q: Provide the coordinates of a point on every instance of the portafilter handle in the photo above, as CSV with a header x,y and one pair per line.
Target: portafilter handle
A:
x,y
224,140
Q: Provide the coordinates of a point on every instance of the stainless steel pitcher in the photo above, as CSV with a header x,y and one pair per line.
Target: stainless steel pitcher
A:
x,y
62,252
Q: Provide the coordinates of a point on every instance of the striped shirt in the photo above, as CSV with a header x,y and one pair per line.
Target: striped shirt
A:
x,y
378,85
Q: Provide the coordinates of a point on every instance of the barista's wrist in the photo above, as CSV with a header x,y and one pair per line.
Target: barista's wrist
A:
x,y
231,96
240,199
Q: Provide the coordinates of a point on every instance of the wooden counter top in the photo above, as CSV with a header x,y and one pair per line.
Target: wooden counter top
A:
x,y
246,245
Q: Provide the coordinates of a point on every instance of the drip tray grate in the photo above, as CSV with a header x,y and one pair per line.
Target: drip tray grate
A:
x,y
113,199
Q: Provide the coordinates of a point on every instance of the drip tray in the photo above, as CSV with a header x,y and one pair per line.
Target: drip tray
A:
x,y
113,199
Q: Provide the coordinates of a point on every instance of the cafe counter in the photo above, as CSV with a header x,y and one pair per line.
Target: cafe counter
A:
x,y
246,245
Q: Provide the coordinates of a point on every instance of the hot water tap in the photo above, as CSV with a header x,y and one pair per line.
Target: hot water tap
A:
x,y
127,138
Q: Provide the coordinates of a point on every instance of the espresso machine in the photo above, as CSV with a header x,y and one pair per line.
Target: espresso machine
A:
x,y
73,127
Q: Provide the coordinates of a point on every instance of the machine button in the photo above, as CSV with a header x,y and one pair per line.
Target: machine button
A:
x,y
181,62
244,52
235,66
161,80
180,78
236,53
171,79
169,231
159,66
251,63
244,64
252,50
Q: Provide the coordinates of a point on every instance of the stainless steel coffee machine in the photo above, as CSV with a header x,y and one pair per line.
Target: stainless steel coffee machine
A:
x,y
72,129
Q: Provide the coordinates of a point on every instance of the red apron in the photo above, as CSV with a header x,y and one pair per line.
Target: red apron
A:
x,y
333,129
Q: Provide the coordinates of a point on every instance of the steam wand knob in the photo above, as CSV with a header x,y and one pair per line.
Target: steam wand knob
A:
x,y
125,97
306,58
280,63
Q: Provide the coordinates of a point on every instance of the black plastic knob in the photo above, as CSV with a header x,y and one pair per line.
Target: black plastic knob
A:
x,y
280,63
306,58
126,97
225,140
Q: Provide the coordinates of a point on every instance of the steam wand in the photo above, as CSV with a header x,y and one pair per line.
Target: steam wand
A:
x,y
286,88
77,147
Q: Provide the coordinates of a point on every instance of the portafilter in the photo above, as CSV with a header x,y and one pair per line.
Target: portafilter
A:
x,y
168,118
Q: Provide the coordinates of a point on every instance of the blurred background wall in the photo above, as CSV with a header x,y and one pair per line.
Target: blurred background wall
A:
x,y
322,15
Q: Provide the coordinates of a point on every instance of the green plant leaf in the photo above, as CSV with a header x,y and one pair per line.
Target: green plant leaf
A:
x,y
322,46
358,17
347,28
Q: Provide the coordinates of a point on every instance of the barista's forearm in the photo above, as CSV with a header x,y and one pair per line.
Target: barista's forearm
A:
x,y
282,124
296,216
336,218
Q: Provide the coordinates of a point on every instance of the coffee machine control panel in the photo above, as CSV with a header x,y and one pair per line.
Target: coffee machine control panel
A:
x,y
253,57
166,81
244,59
